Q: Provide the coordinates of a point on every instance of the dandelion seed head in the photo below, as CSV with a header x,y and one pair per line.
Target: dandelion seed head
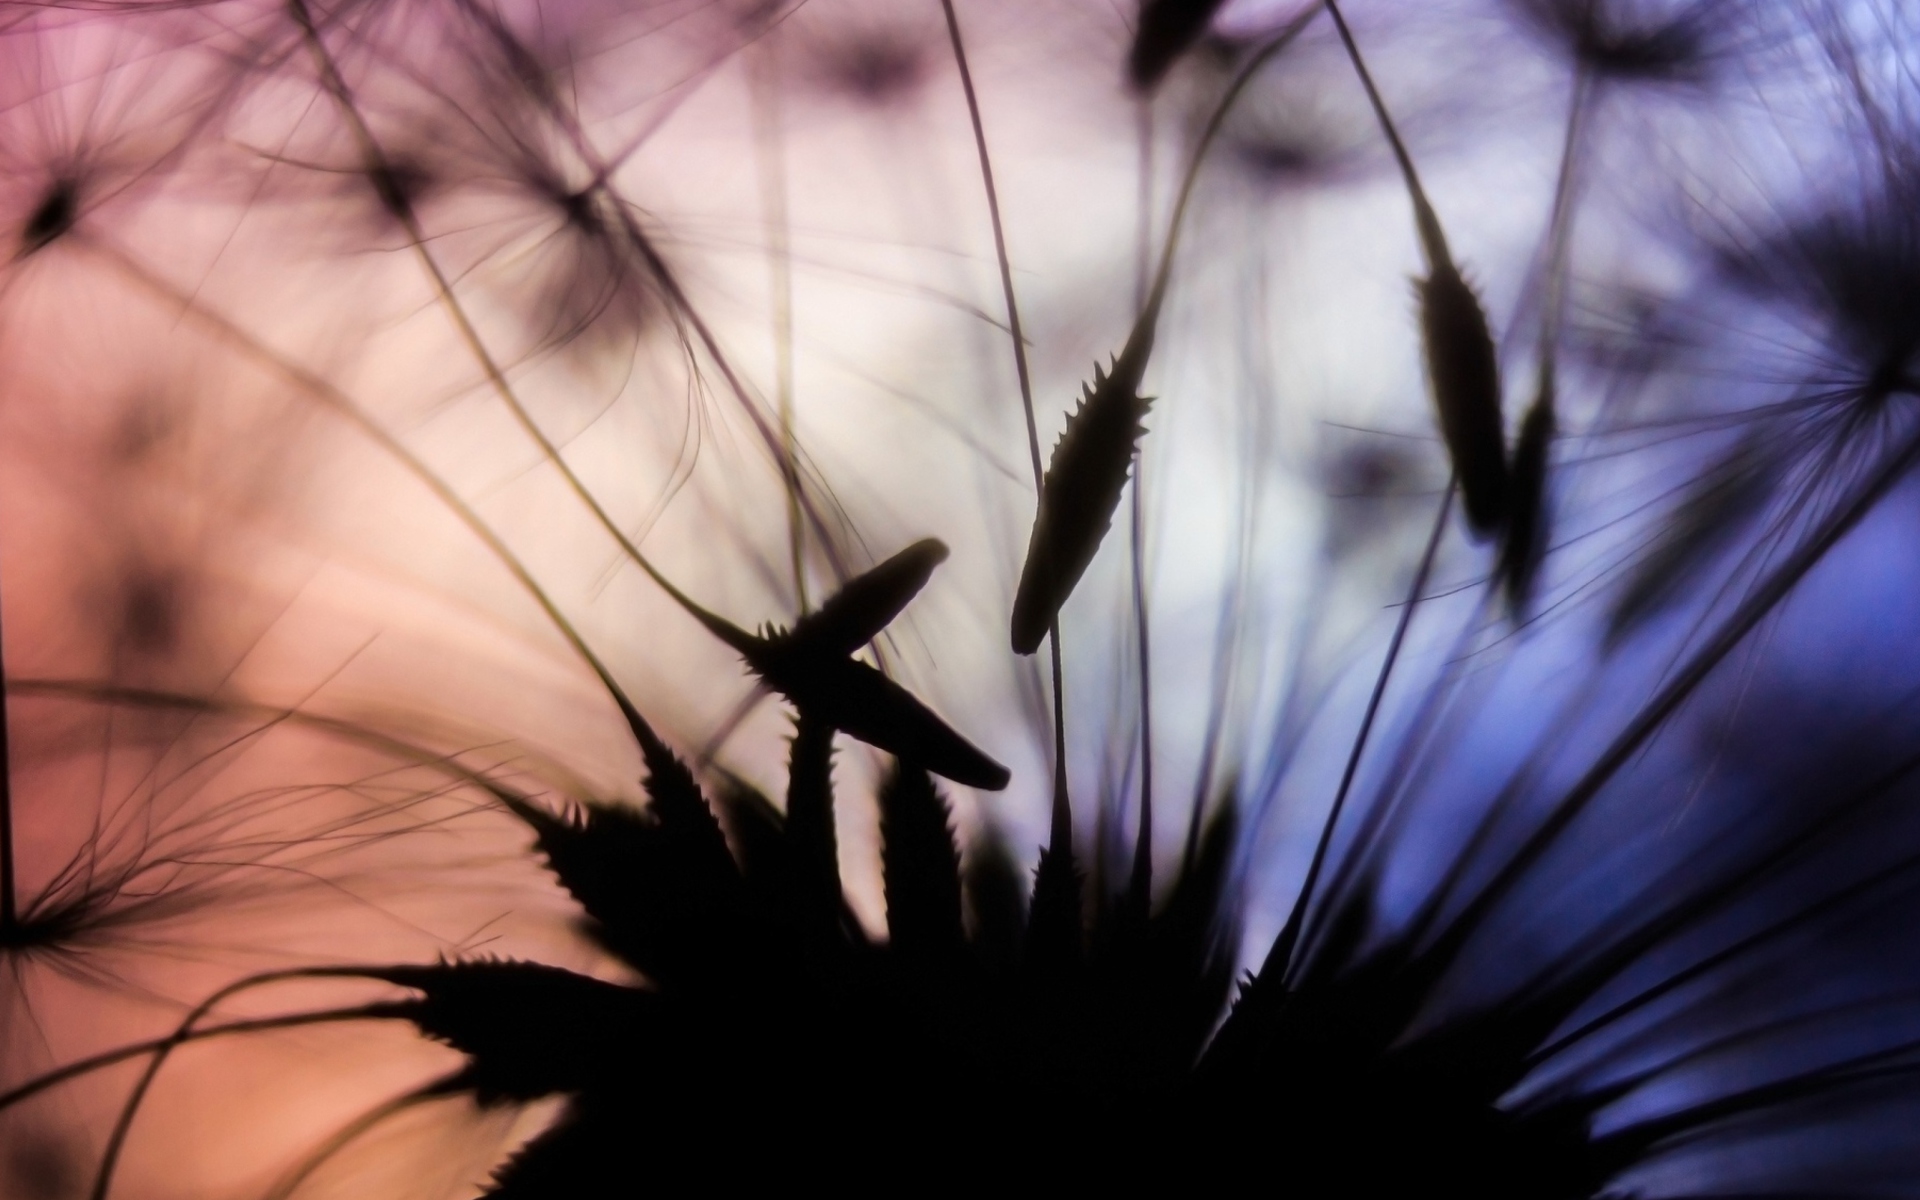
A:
x,y
1634,41
1295,135
1854,267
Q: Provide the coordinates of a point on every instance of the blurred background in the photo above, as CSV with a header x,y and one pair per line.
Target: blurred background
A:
x,y
260,481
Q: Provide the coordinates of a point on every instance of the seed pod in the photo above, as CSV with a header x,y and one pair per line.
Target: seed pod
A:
x,y
1168,29
1083,484
919,864
1525,539
862,703
530,1030
810,667
813,889
1462,367
1465,376
868,603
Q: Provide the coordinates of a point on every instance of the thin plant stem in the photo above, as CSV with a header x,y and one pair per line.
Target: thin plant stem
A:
x,y
679,302
340,403
1143,200
359,1126
1060,825
117,1139
120,1054
1060,832
1432,240
770,159
1290,934
1560,224
1759,603
1274,45
1149,306
376,161
1141,884
1423,725
999,242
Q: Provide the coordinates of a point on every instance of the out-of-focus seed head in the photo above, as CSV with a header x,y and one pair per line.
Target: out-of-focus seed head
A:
x,y
1465,376
52,218
1638,41
1853,266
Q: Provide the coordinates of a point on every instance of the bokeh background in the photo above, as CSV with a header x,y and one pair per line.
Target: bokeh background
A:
x,y
254,657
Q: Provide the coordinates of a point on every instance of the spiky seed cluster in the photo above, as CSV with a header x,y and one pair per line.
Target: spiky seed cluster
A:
x,y
1093,1059
760,985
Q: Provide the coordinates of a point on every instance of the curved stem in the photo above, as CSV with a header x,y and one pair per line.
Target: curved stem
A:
x,y
1060,830
784,453
1432,240
341,404
1274,45
763,78
1560,223
1140,885
116,1140
152,698
999,241
1759,603
360,1125
108,1058
378,166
